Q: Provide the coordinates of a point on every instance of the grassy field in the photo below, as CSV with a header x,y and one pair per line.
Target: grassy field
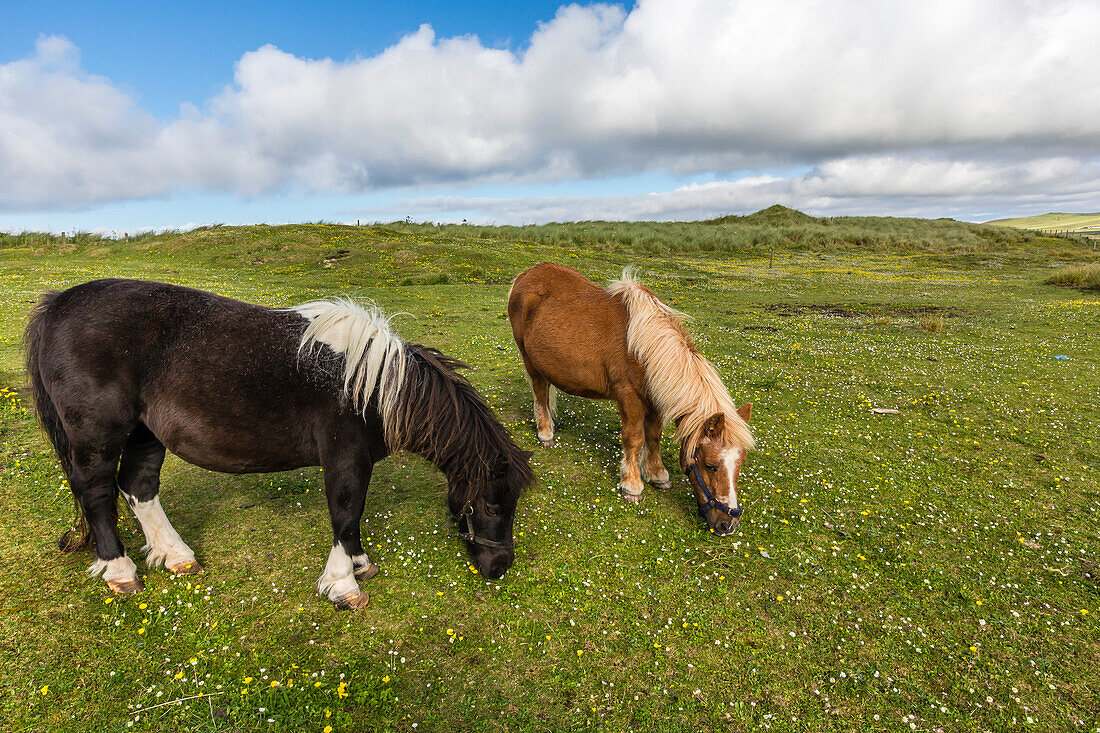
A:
x,y
938,569
1069,223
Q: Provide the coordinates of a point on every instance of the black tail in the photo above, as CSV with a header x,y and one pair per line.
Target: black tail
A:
x,y
79,537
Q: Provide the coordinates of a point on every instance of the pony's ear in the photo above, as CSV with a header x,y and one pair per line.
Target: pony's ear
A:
x,y
714,424
745,411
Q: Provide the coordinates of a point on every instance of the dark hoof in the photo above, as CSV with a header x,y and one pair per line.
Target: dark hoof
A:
x,y
192,567
353,601
546,443
126,586
660,484
366,572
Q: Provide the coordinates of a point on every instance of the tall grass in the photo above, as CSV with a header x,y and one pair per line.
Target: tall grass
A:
x,y
775,227
1086,277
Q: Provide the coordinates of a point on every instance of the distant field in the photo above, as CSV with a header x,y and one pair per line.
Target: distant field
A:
x,y
935,569
1070,223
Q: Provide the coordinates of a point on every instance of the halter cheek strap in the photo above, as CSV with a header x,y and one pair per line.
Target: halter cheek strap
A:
x,y
712,501
466,529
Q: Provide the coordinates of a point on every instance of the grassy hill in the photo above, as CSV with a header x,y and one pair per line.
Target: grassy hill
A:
x,y
933,569
777,227
1068,223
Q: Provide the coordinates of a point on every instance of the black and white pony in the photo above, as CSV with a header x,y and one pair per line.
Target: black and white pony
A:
x,y
123,369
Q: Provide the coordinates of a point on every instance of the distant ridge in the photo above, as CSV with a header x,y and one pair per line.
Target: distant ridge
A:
x,y
1057,221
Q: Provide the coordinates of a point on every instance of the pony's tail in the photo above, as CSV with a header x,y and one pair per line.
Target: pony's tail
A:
x,y
78,537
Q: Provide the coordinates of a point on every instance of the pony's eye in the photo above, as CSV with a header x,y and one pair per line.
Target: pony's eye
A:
x,y
712,469
492,510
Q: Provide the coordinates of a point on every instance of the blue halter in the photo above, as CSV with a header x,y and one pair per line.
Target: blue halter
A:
x,y
712,501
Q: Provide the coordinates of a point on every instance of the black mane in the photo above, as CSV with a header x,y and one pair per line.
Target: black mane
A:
x,y
445,419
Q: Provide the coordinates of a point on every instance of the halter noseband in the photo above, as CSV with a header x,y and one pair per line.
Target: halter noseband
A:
x,y
463,517
712,501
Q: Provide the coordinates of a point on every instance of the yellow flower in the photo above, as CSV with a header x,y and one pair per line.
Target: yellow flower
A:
x,y
386,678
143,605
108,600
974,649
580,652
450,632
45,689
141,631
328,729
248,680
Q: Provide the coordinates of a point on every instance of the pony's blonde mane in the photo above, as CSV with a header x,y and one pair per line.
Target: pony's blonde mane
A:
x,y
374,357
682,384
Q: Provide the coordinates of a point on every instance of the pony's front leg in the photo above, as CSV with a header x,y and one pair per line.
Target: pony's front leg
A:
x,y
346,484
653,469
632,413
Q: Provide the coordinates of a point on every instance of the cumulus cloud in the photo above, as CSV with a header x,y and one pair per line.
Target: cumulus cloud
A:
x,y
884,100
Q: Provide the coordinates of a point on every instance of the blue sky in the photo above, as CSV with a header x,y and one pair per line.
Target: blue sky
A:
x,y
173,52
128,116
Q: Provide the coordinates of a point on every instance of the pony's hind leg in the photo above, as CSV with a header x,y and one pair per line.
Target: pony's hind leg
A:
x,y
92,479
653,468
545,405
139,480
346,481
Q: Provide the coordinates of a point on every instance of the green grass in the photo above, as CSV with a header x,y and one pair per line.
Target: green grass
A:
x,y
936,569
1086,277
1080,224
1051,221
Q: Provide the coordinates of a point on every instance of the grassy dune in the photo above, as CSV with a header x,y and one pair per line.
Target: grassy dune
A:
x,y
939,568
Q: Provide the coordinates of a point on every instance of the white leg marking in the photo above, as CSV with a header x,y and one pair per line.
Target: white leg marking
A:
x,y
338,580
121,568
630,490
658,475
165,546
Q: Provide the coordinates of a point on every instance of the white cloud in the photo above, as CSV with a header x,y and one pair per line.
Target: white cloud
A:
x,y
887,100
883,185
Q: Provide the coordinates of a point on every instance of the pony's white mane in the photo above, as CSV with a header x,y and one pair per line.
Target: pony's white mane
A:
x,y
374,357
682,384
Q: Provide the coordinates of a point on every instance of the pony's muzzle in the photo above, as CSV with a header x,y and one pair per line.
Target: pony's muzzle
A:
x,y
493,564
723,523
726,527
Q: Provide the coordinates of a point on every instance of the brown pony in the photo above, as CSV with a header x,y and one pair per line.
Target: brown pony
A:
x,y
622,343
